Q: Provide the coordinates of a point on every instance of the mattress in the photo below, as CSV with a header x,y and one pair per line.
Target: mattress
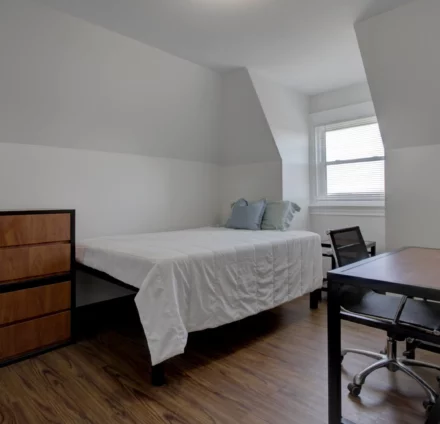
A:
x,y
196,279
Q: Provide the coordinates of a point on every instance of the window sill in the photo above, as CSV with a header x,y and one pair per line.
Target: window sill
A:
x,y
348,209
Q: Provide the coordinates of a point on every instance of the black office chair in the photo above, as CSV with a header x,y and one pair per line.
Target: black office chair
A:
x,y
423,317
372,309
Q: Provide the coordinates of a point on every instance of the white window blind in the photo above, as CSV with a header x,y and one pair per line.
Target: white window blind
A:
x,y
350,161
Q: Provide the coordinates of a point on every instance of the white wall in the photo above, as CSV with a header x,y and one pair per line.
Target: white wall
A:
x,y
251,164
400,53
347,96
67,83
349,103
83,92
287,114
413,204
253,181
372,227
113,193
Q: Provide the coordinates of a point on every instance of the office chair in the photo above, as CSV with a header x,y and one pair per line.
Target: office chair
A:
x,y
376,310
423,317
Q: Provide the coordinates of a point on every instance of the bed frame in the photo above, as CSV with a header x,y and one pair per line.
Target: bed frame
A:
x,y
158,371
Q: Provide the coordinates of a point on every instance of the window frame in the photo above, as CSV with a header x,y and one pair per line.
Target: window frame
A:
x,y
320,164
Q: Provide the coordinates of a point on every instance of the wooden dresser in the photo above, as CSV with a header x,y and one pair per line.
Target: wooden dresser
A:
x,y
37,282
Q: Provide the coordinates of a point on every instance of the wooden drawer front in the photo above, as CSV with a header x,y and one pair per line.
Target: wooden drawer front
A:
x,y
30,303
18,230
33,261
24,337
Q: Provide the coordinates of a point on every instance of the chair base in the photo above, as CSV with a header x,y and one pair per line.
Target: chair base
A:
x,y
393,363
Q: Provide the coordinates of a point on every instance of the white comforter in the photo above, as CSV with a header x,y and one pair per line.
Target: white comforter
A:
x,y
196,279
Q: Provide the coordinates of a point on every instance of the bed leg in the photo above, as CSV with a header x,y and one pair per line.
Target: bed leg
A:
x,y
315,296
158,375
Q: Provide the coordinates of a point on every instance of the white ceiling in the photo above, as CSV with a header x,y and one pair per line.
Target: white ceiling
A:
x,y
309,45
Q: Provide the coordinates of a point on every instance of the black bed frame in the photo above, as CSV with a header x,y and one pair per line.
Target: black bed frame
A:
x,y
158,371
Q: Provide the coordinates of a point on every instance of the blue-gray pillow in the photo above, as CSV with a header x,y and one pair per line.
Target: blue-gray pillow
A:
x,y
247,217
279,215
239,202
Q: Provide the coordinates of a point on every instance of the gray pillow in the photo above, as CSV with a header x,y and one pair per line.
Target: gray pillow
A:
x,y
239,202
279,215
247,217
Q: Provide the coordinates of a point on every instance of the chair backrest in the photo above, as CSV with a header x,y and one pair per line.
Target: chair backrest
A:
x,y
348,245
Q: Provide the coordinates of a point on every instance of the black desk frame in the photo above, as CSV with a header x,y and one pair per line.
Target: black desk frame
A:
x,y
334,316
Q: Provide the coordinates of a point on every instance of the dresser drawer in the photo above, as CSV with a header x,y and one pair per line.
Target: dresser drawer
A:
x,y
30,303
27,336
18,230
33,261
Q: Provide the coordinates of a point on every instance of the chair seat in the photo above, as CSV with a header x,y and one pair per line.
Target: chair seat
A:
x,y
370,303
421,313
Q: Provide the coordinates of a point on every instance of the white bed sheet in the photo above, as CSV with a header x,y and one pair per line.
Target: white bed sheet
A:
x,y
202,278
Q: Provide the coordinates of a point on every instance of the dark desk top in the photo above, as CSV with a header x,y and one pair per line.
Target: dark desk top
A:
x,y
410,271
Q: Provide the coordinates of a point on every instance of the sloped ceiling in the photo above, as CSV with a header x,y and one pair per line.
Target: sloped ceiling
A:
x,y
287,113
402,61
67,83
245,135
400,51
309,45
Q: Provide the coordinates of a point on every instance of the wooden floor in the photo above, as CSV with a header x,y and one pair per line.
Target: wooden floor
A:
x,y
266,369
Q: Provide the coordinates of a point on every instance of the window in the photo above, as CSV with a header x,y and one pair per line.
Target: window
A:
x,y
350,161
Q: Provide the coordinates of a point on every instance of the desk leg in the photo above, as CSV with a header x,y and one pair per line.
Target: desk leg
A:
x,y
334,354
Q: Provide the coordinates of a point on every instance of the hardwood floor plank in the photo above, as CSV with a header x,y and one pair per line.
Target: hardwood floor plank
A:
x,y
269,369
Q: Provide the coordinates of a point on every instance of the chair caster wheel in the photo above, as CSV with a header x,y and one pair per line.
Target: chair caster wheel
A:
x,y
428,406
354,389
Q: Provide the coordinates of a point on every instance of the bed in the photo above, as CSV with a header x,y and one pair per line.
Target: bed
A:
x,y
202,278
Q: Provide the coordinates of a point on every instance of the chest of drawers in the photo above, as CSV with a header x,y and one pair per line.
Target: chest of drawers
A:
x,y
37,282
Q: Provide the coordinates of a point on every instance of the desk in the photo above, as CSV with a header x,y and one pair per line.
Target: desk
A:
x,y
409,271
